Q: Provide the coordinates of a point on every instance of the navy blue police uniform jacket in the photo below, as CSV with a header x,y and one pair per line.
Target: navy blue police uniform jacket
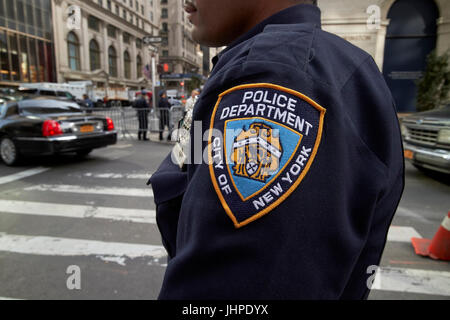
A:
x,y
296,174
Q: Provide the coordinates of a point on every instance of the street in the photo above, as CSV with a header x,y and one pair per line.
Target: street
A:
x,y
96,216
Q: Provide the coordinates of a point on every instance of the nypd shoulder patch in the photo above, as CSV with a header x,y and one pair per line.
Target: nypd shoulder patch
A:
x,y
262,142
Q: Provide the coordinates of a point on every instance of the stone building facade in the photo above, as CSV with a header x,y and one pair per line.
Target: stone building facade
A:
x,y
399,34
105,44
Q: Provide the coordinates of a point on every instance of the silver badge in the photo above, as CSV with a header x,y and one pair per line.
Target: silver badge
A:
x,y
180,149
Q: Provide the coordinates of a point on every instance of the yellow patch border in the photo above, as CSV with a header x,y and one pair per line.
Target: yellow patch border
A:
x,y
279,172
302,175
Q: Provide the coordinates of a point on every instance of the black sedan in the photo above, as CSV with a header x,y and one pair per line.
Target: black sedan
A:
x,y
43,126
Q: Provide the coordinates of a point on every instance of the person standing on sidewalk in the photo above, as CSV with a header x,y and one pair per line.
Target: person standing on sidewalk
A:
x,y
164,111
143,110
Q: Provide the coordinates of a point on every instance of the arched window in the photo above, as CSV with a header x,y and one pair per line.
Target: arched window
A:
x,y
73,48
127,64
112,61
94,55
138,67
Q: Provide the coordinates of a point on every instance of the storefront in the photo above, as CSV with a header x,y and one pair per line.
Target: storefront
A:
x,y
26,42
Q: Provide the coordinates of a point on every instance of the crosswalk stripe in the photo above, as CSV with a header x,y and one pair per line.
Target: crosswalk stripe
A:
x,y
412,281
112,175
77,211
402,234
130,192
22,174
52,246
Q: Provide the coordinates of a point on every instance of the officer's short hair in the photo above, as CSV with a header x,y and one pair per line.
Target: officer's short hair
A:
x,y
314,2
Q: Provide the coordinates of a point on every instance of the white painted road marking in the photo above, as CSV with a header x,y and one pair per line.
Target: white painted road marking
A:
x,y
77,211
412,281
402,234
111,175
419,216
121,146
23,174
128,192
51,246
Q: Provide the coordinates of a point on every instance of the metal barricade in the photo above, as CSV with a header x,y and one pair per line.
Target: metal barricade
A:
x,y
126,119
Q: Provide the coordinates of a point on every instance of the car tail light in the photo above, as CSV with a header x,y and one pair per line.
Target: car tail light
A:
x,y
109,124
51,128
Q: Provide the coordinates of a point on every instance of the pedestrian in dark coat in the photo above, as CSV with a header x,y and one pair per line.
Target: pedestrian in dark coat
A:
x,y
143,110
164,112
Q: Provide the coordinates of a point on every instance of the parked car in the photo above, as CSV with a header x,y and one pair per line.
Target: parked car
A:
x,y
47,92
43,126
426,138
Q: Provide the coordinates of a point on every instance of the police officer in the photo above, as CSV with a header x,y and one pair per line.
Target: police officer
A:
x,y
143,110
304,167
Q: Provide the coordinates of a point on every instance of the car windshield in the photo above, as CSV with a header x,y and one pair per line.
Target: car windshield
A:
x,y
30,107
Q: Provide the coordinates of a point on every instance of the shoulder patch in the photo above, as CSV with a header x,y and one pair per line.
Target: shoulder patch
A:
x,y
262,142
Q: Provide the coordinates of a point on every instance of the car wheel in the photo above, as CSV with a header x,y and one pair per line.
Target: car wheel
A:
x,y
83,153
8,151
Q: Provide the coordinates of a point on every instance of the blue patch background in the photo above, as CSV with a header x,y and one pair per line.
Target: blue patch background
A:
x,y
288,139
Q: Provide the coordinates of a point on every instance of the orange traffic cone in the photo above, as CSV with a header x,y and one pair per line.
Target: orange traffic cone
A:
x,y
437,248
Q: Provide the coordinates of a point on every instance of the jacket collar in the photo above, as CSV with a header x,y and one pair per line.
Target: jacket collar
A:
x,y
302,13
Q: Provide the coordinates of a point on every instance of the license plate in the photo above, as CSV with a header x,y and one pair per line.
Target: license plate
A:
x,y
88,128
409,154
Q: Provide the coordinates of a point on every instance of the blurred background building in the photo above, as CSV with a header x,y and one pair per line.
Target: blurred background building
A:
x,y
26,42
105,44
407,31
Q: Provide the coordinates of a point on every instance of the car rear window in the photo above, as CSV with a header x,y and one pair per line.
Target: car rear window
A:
x,y
28,91
64,94
48,107
47,93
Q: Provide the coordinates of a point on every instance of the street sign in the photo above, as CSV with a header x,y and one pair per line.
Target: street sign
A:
x,y
150,40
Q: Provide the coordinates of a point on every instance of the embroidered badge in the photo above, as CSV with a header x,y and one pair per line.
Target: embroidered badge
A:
x,y
269,136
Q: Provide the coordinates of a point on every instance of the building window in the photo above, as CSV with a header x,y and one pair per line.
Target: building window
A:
x,y
138,43
94,55
73,46
126,37
93,23
15,64
127,64
165,27
112,61
138,66
109,5
165,53
4,59
111,30
164,13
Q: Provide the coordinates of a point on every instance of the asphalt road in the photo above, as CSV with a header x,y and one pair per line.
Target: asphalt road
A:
x,y
85,229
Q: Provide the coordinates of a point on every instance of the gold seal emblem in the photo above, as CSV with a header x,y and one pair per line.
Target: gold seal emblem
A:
x,y
257,152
